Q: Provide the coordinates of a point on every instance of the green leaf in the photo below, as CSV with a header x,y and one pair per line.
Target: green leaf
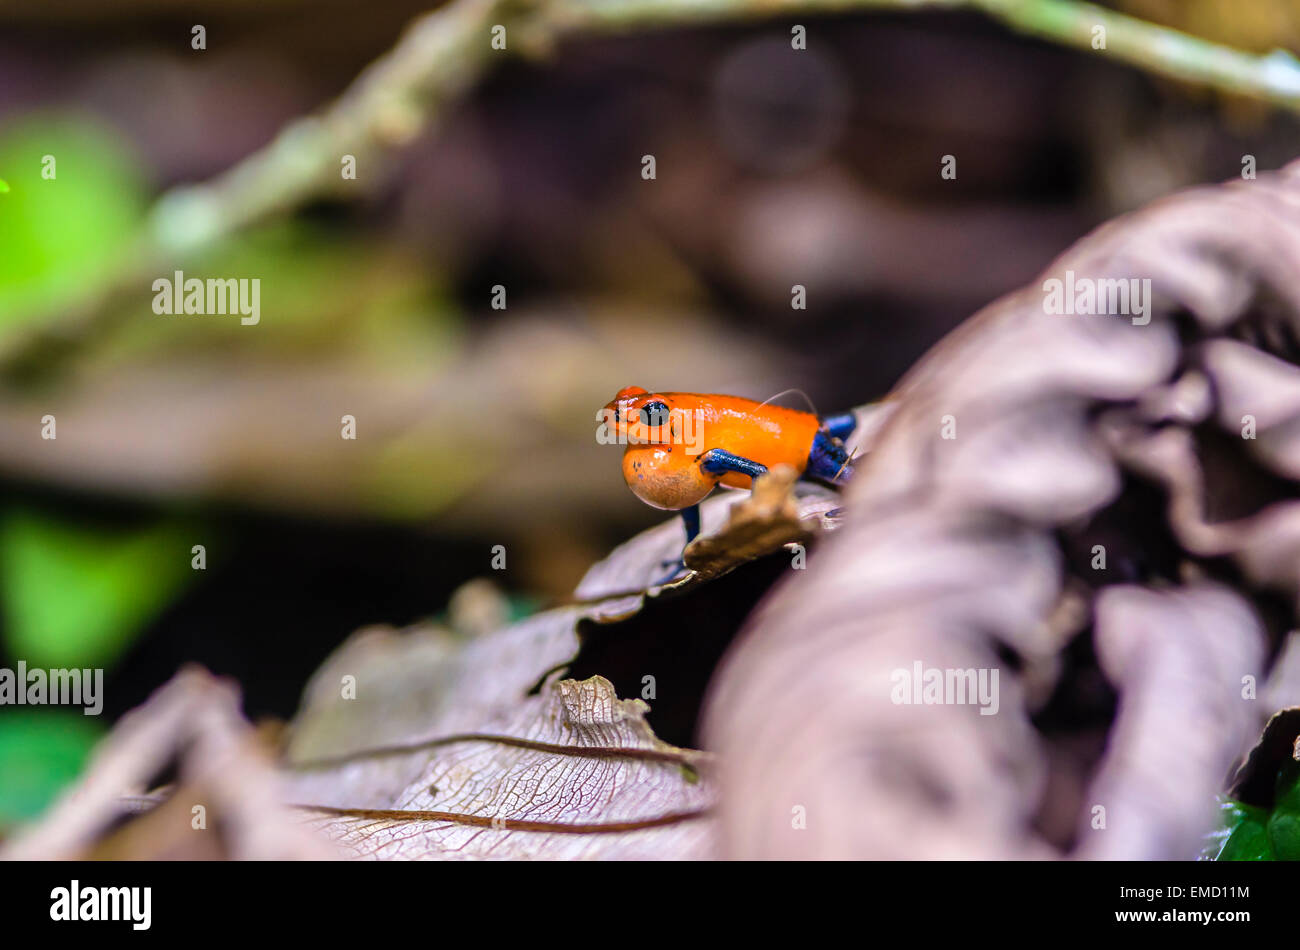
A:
x,y
41,751
1254,833
1243,836
61,235
1284,823
76,596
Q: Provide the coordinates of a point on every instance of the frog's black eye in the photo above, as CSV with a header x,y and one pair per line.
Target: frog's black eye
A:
x,y
654,414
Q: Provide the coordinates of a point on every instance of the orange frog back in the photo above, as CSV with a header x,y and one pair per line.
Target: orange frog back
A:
x,y
767,434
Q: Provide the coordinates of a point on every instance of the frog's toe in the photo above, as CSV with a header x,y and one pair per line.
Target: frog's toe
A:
x,y
676,568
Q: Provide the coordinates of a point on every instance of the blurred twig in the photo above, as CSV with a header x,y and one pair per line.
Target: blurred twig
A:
x,y
443,53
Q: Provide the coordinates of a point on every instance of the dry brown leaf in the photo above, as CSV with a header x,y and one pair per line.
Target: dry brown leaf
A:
x,y
194,723
461,728
980,552
571,773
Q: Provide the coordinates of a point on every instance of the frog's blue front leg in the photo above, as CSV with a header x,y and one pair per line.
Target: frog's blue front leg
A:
x,y
720,462
715,462
677,566
691,518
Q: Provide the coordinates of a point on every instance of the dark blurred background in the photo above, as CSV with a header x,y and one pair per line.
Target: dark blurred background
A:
x,y
476,426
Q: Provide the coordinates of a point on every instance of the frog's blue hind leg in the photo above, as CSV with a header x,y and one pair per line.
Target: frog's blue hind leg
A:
x,y
840,425
828,460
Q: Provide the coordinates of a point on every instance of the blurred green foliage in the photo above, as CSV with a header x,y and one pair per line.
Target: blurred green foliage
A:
x,y
325,297
61,236
41,750
71,201
75,596
77,593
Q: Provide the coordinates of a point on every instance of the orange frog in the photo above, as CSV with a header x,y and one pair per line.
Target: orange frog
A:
x,y
680,446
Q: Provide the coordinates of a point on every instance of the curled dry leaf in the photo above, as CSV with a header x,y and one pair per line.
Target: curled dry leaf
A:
x,y
1100,509
418,744
1177,657
422,721
574,772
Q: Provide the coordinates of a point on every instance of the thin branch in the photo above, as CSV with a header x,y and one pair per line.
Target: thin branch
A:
x,y
445,52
